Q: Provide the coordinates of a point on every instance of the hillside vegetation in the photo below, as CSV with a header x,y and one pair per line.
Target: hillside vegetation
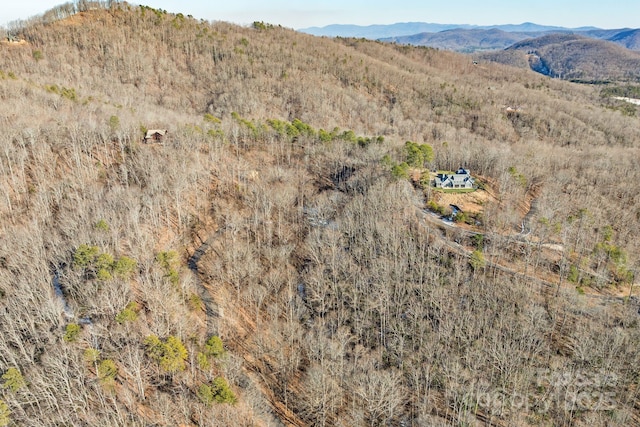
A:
x,y
271,261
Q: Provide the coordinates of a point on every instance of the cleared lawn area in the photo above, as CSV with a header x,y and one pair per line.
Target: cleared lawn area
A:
x,y
454,190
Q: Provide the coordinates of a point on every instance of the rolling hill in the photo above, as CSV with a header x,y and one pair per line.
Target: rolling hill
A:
x,y
464,40
413,28
470,38
376,31
279,257
478,40
629,39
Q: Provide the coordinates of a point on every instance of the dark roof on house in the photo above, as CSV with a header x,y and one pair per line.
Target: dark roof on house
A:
x,y
461,177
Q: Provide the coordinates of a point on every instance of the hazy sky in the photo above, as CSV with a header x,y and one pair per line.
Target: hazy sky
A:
x,y
305,13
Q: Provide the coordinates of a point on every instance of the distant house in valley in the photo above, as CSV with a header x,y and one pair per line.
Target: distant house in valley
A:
x,y
155,135
461,179
12,39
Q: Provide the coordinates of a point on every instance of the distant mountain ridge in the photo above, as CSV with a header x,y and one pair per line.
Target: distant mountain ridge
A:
x,y
465,40
377,31
629,39
471,38
411,28
579,54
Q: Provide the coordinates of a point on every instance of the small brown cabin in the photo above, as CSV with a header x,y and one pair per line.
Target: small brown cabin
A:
x,y
155,135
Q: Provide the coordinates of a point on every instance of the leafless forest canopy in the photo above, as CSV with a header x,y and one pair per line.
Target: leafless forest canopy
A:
x,y
272,261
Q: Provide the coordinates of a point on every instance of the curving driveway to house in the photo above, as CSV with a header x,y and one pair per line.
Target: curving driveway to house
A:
x,y
211,308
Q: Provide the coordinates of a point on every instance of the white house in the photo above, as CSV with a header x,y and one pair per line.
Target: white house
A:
x,y
461,179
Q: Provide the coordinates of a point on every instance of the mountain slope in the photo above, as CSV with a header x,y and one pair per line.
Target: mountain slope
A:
x,y
284,214
572,57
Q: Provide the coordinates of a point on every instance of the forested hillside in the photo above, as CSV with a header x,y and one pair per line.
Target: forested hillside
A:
x,y
274,260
